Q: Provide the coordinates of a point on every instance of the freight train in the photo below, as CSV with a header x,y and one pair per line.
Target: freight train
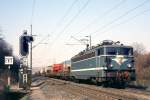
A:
x,y
61,70
109,63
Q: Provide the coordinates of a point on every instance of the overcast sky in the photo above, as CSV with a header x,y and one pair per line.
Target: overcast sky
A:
x,y
56,21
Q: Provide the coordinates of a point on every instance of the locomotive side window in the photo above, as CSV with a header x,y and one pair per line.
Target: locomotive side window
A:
x,y
84,56
100,51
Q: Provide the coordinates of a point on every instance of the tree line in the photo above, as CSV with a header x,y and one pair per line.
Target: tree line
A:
x,y
142,62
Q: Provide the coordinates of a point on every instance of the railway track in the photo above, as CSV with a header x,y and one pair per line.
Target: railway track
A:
x,y
92,92
137,91
78,91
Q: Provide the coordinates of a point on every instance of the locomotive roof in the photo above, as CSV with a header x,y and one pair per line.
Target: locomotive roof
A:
x,y
102,45
114,45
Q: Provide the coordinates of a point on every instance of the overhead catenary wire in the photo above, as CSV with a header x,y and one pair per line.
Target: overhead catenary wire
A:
x,y
100,17
120,17
82,42
127,20
74,17
108,25
59,23
71,21
61,20
124,22
44,39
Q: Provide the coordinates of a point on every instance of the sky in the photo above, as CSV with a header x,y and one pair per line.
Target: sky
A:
x,y
56,21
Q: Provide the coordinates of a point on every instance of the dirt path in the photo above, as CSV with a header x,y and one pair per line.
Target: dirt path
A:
x,y
37,94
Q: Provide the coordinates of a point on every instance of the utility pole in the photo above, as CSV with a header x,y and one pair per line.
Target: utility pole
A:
x,y
30,69
26,71
90,41
31,52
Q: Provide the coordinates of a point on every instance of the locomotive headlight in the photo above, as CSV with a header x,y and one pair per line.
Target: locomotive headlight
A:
x,y
129,65
111,65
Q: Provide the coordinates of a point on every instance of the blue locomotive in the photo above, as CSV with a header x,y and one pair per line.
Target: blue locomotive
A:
x,y
108,63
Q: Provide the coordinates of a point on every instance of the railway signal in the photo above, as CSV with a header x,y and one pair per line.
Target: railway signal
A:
x,y
25,72
24,43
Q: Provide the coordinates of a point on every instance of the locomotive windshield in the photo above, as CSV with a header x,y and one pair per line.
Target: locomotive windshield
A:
x,y
125,51
119,51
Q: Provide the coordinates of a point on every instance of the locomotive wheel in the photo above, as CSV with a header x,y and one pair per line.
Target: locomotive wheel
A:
x,y
123,85
72,78
120,84
105,84
99,83
76,81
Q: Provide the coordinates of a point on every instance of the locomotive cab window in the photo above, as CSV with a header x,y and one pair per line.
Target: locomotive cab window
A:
x,y
119,51
111,50
125,51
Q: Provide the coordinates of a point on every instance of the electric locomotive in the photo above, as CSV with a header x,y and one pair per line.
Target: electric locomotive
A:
x,y
108,63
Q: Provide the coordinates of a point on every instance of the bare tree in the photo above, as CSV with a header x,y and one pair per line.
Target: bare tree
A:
x,y
142,62
139,48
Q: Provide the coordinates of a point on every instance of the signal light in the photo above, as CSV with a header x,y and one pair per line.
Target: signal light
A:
x,y
24,44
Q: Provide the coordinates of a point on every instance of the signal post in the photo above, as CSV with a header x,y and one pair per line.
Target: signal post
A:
x,y
25,73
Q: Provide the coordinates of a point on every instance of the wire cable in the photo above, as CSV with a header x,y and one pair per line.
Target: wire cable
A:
x,y
123,15
64,16
102,16
71,21
44,39
127,20
74,17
